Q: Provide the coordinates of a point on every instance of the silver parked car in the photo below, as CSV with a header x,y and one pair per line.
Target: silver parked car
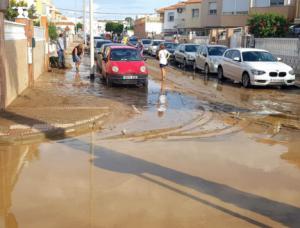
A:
x,y
255,67
185,54
146,44
208,58
154,47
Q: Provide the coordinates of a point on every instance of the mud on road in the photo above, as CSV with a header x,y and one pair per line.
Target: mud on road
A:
x,y
189,153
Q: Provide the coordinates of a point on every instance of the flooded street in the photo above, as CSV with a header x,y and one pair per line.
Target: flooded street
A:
x,y
194,153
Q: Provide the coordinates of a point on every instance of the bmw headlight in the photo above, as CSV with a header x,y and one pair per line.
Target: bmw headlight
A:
x,y
292,72
257,72
115,69
143,69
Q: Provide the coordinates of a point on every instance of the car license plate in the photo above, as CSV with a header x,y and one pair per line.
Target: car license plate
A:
x,y
130,77
277,80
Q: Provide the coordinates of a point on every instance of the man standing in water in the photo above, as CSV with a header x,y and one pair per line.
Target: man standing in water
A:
x,y
163,56
61,51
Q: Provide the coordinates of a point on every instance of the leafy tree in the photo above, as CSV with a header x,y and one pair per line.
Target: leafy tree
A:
x,y
52,30
129,20
79,26
268,25
114,27
32,12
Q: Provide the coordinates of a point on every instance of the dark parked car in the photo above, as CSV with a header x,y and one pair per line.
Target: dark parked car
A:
x,y
171,47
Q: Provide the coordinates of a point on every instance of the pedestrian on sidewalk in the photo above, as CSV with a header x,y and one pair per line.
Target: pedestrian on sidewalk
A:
x,y
163,56
61,51
77,55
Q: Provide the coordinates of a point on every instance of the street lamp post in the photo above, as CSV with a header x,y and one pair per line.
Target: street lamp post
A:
x,y
84,21
92,38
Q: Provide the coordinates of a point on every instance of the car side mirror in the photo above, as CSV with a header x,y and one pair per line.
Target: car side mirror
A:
x,y
279,59
145,59
182,51
237,59
204,54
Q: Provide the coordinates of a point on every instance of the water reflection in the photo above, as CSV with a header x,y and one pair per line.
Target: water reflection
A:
x,y
162,100
12,161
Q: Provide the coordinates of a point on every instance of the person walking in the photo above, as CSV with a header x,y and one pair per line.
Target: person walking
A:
x,y
76,55
163,56
140,47
61,51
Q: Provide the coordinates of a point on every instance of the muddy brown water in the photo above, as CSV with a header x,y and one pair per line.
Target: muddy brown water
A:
x,y
183,160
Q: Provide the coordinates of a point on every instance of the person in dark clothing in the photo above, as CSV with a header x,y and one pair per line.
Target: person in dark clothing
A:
x,y
76,55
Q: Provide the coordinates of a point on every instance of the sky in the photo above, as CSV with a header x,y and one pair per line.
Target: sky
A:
x,y
134,7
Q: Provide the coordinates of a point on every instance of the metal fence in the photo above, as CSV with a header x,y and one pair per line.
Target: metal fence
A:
x,y
280,46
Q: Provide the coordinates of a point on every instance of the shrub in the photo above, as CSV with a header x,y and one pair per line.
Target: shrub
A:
x,y
268,25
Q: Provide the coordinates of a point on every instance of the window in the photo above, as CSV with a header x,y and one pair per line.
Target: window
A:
x,y
257,56
235,54
228,54
171,16
195,12
235,7
216,51
212,8
125,55
277,2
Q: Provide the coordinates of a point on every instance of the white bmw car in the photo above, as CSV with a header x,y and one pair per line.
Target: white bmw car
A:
x,y
255,67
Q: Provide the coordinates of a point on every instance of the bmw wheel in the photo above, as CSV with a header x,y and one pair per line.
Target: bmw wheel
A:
x,y
246,80
220,73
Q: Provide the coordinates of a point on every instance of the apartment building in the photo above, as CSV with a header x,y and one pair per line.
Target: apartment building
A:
x,y
169,16
148,26
297,16
188,19
283,7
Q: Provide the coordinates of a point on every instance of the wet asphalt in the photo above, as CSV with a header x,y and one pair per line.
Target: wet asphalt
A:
x,y
197,153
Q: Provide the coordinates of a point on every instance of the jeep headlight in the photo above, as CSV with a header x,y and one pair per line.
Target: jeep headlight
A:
x,y
257,72
292,72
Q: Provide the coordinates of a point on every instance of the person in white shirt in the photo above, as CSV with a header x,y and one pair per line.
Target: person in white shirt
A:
x,y
163,56
61,51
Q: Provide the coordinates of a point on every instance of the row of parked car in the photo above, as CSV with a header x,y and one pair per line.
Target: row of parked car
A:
x,y
251,67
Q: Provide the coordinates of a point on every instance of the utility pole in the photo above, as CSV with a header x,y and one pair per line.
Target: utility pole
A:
x,y
92,38
84,22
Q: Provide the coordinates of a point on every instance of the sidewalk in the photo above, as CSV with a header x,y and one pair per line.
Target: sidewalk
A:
x,y
58,106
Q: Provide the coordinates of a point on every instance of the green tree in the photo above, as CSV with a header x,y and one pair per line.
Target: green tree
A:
x,y
268,25
114,27
32,12
52,30
79,26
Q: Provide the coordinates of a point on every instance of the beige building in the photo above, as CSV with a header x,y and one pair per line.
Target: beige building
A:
x,y
297,16
285,8
188,19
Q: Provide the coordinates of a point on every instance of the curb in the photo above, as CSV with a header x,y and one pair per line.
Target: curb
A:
x,y
22,134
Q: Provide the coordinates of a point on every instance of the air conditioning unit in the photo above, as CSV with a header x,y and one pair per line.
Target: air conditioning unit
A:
x,y
179,10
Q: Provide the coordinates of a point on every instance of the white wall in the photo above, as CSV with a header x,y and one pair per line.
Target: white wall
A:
x,y
155,27
170,24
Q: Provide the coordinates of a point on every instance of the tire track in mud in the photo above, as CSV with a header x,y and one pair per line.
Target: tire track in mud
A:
x,y
209,123
216,117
